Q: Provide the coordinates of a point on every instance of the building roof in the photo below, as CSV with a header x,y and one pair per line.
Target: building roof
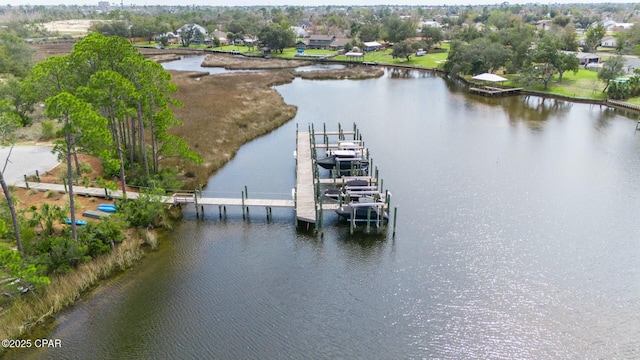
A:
x,y
372,44
322,37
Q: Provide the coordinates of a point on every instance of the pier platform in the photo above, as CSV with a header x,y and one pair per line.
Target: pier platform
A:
x,y
494,91
305,192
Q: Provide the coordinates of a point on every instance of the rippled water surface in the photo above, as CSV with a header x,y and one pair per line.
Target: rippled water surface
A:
x,y
517,238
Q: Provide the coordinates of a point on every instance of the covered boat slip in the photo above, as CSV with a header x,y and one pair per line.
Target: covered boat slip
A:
x,y
486,90
352,192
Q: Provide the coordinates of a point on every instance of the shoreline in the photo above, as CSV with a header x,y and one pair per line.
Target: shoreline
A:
x,y
22,318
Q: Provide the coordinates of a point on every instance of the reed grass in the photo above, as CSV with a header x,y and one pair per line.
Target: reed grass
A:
x,y
223,112
35,308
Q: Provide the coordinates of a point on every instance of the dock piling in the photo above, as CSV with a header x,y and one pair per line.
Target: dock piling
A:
x,y
243,207
395,217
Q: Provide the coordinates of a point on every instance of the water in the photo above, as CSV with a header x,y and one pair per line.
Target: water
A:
x,y
193,63
517,238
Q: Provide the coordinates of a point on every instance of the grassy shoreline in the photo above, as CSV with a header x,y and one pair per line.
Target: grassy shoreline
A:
x,y
23,316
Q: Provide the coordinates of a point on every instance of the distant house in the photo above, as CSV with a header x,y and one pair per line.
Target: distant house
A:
x,y
372,46
323,42
320,41
300,31
338,43
608,41
428,23
305,24
222,37
197,27
587,58
302,44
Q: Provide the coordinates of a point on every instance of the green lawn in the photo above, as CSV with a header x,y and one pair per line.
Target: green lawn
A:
x,y
583,84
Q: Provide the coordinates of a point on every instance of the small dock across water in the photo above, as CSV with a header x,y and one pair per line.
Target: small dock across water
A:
x,y
494,91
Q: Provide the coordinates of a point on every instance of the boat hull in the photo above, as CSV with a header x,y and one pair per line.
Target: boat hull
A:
x,y
342,164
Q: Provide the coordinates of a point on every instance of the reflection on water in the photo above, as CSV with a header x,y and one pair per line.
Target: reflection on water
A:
x,y
516,239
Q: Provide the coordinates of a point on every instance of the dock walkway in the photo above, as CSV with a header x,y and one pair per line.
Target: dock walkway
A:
x,y
307,200
78,190
305,191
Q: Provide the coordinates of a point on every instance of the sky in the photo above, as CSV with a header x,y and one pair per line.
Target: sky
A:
x,y
299,2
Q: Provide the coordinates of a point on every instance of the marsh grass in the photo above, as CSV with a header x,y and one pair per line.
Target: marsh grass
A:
x,y
222,112
36,308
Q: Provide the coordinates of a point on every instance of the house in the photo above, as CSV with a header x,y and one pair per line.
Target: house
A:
x,y
305,24
428,23
196,28
202,30
587,58
323,42
608,41
300,31
302,44
320,41
338,43
222,37
372,46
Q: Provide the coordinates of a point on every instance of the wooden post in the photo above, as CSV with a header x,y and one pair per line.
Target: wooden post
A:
x,y
37,176
195,201
220,211
246,192
243,210
295,206
355,131
266,208
395,216
368,219
352,221
387,198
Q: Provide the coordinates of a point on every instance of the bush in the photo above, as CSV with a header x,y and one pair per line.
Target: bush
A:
x,y
48,130
60,254
85,168
145,211
99,236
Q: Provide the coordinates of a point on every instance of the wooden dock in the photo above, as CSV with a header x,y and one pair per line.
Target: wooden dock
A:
x,y
305,189
494,91
307,199
78,190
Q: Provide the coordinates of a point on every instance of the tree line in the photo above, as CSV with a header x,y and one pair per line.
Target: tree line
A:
x,y
110,102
